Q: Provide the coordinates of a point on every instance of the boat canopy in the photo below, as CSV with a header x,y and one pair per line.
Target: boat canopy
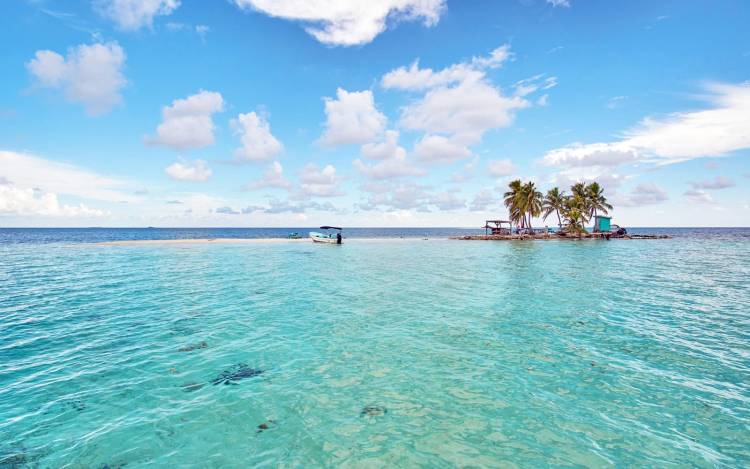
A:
x,y
330,228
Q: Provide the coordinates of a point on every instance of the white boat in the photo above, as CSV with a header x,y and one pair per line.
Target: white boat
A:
x,y
328,237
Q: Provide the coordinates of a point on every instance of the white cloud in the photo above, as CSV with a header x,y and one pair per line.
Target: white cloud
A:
x,y
501,168
390,168
484,200
531,85
399,197
352,118
350,22
559,3
272,178
187,123
713,132
447,201
30,202
388,148
459,101
601,174
440,150
30,172
614,102
594,154
646,193
414,78
130,15
197,171
467,173
202,30
543,100
697,196
391,159
286,206
719,182
319,182
90,74
466,111
257,141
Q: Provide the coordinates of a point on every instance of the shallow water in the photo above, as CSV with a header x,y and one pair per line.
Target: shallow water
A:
x,y
418,353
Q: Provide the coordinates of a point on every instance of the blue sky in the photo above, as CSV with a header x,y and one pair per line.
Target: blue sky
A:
x,y
369,113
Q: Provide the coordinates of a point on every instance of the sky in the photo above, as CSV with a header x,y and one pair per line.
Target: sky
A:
x,y
283,113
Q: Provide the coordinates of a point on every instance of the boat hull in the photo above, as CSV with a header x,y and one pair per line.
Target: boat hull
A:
x,y
321,238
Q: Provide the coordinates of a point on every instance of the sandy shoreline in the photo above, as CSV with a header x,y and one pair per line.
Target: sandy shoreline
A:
x,y
141,242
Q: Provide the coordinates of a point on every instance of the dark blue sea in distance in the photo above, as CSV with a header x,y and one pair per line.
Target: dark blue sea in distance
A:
x,y
96,235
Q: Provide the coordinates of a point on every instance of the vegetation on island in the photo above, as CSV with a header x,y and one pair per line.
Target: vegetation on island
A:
x,y
525,202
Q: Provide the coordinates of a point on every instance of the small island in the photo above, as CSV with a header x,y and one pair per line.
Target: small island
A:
x,y
586,202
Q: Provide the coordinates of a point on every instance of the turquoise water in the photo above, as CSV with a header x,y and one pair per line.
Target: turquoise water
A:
x,y
377,353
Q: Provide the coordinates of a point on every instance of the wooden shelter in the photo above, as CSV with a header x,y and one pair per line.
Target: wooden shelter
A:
x,y
602,224
495,227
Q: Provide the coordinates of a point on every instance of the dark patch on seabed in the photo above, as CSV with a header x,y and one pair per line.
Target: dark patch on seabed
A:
x,y
236,373
191,387
17,456
373,411
265,426
191,347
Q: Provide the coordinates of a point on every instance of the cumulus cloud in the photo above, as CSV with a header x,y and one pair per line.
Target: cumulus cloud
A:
x,y
404,196
501,168
559,3
484,200
286,206
391,159
319,182
90,75
187,123
352,118
30,202
594,154
447,201
130,15
391,168
388,148
29,172
719,182
227,211
467,173
197,171
272,178
351,22
697,196
414,78
439,149
646,193
257,141
458,106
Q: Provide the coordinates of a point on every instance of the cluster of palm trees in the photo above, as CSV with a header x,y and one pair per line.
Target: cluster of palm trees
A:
x,y
525,202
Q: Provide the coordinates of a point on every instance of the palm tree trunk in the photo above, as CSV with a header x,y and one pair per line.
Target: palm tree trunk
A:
x,y
559,222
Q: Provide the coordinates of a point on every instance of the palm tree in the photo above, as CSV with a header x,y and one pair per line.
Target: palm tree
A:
x,y
580,200
596,199
573,215
533,199
554,201
515,202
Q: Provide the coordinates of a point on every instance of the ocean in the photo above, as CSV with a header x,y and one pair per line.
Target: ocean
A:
x,y
381,352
